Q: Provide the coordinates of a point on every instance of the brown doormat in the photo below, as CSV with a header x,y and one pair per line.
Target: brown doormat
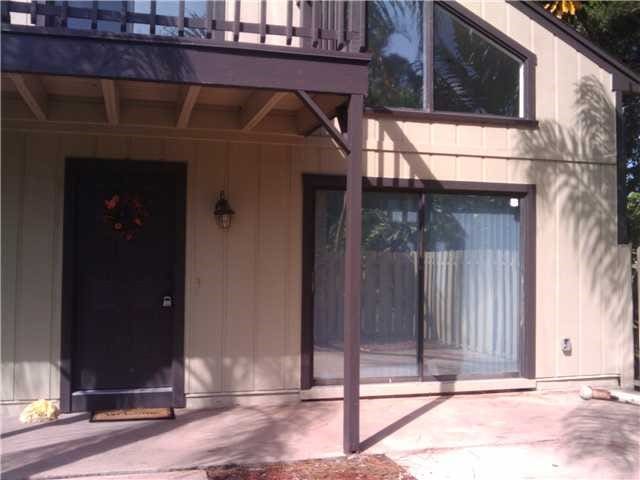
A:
x,y
133,414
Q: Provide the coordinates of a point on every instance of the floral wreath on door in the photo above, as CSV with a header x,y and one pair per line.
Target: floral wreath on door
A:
x,y
126,213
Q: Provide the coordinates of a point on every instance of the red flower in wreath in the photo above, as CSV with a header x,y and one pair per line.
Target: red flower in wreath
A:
x,y
126,214
113,203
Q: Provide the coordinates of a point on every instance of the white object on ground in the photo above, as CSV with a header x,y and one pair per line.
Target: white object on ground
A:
x,y
587,393
626,397
39,411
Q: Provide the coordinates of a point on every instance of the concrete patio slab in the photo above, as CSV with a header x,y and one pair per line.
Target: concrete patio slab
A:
x,y
541,434
173,475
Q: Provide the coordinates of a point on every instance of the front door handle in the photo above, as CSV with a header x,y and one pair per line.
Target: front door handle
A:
x,y
167,301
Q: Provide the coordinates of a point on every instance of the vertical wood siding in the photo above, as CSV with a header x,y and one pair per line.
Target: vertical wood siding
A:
x,y
243,286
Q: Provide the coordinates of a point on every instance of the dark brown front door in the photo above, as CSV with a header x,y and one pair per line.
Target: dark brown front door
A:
x,y
127,274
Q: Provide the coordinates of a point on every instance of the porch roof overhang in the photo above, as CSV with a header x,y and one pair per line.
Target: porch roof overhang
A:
x,y
191,61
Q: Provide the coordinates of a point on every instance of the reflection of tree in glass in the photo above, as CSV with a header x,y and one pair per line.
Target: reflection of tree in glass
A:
x,y
380,230
395,80
471,74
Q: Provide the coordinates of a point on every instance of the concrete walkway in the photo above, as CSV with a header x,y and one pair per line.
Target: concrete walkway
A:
x,y
508,435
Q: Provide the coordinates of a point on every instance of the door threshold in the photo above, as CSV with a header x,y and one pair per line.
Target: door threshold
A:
x,y
121,391
373,390
122,399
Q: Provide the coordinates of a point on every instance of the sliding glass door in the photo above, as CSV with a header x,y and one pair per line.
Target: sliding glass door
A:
x,y
472,281
389,301
442,285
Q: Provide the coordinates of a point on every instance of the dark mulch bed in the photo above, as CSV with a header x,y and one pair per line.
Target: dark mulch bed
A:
x,y
357,467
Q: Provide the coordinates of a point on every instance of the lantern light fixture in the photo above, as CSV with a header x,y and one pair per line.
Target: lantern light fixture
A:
x,y
223,212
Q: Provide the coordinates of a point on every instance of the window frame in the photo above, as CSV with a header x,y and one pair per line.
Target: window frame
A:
x,y
526,339
502,41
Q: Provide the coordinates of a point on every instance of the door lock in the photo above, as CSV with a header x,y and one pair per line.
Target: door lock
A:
x,y
167,301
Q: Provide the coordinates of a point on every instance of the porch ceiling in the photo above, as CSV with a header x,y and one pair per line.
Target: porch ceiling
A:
x,y
86,100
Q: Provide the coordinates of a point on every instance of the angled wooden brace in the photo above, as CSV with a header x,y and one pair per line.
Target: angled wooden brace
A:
x,y
326,123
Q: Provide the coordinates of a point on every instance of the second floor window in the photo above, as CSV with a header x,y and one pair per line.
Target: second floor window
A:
x,y
427,56
396,42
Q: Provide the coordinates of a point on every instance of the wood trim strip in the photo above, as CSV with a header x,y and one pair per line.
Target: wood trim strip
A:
x,y
68,285
527,338
330,182
621,185
451,117
308,251
180,175
428,47
422,208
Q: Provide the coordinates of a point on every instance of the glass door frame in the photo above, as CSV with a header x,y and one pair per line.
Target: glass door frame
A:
x,y
526,193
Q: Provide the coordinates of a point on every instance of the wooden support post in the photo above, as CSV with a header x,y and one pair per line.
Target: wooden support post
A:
x,y
352,279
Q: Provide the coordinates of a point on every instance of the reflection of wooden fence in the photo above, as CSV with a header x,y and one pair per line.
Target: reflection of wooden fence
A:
x,y
389,297
473,299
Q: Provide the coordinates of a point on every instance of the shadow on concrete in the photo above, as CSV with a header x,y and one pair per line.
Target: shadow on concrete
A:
x,y
608,432
38,426
40,458
253,434
402,422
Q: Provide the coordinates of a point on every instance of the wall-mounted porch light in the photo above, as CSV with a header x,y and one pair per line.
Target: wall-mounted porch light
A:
x,y
223,212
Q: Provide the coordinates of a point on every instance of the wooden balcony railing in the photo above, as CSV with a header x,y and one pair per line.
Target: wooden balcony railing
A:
x,y
322,24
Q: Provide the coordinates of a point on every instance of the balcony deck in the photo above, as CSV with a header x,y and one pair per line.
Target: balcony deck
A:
x,y
154,69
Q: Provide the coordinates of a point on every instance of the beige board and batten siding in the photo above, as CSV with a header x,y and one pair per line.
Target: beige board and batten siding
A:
x,y
243,286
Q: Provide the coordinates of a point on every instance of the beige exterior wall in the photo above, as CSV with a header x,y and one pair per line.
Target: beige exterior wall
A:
x,y
243,286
